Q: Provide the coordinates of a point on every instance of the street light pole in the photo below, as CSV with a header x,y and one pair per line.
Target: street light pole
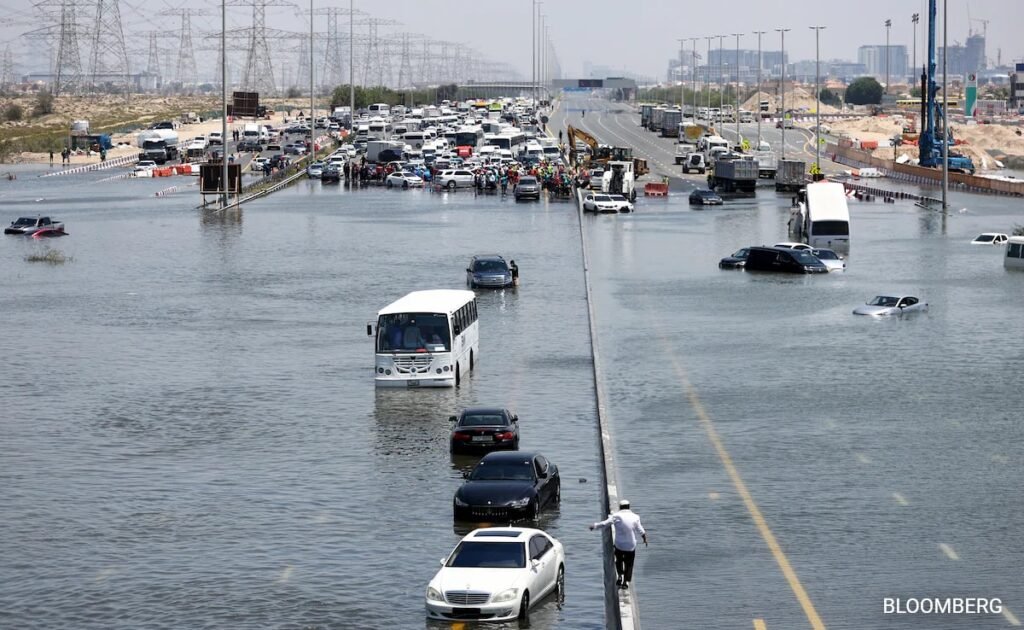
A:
x,y
707,76
224,101
721,77
312,103
351,69
783,32
533,52
888,27
736,111
682,83
693,61
759,34
913,68
817,96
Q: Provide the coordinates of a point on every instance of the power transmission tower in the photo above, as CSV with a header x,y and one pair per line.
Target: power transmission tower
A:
x,y
334,72
7,73
377,57
109,55
153,63
186,72
303,62
68,65
404,65
259,71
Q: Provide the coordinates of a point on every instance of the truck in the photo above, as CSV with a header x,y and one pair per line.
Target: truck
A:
x,y
645,114
670,121
374,148
29,225
93,141
158,151
691,132
733,173
766,160
708,144
168,136
790,176
619,179
657,114
683,150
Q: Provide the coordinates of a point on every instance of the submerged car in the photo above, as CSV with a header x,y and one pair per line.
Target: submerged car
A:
x,y
606,203
484,429
489,271
736,261
830,259
497,574
705,198
403,180
990,238
891,305
508,485
802,246
782,259
30,226
314,170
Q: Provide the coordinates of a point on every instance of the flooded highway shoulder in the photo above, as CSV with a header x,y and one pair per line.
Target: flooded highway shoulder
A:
x,y
212,450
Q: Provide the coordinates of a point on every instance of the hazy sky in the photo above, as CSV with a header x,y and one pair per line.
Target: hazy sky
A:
x,y
639,35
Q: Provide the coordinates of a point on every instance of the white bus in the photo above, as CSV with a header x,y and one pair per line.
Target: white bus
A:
x,y
1014,257
824,219
426,339
379,109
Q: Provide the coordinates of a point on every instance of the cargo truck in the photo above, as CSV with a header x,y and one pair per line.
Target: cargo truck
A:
x,y
645,115
670,121
790,175
732,173
657,114
766,160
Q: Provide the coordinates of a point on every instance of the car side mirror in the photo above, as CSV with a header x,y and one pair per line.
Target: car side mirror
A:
x,y
465,474
443,560
534,563
469,270
515,418
369,330
452,418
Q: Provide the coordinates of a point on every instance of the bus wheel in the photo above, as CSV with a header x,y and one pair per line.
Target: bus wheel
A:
x,y
470,360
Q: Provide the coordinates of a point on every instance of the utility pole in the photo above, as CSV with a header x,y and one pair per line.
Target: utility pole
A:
x,y
351,68
759,64
888,27
721,77
783,32
224,102
915,18
736,111
533,51
817,96
312,89
682,84
693,62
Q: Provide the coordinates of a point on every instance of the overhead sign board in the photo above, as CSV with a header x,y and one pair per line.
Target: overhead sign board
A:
x,y
591,83
245,104
211,177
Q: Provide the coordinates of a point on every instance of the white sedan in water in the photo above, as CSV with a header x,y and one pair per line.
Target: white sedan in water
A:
x,y
891,305
403,180
496,574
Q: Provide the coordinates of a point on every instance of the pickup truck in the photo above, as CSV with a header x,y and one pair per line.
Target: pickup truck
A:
x,y
29,225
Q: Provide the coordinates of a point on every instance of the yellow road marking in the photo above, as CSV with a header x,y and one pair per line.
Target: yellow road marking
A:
x,y
950,553
899,498
1010,617
748,501
759,624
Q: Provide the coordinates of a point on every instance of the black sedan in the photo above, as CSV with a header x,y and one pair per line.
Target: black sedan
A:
x,y
249,146
507,485
705,198
484,429
736,261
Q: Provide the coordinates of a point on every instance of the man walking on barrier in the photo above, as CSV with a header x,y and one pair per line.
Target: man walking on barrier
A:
x,y
625,529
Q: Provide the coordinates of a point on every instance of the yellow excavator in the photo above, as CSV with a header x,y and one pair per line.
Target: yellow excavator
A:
x,y
600,153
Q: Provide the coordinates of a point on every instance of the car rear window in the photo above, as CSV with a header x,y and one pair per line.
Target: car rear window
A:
x,y
483,420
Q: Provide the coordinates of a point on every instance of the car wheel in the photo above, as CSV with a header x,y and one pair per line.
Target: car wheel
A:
x,y
557,499
560,584
524,608
405,184
389,184
451,185
535,510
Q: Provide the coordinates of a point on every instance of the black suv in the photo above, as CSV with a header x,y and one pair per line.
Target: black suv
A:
x,y
782,259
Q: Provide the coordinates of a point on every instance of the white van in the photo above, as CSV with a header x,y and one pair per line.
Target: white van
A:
x,y
379,109
1014,256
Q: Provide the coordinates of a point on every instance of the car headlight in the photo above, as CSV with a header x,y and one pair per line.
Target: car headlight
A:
x,y
459,502
520,503
434,595
508,595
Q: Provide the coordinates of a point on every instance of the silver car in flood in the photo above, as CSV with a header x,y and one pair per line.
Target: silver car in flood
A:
x,y
891,305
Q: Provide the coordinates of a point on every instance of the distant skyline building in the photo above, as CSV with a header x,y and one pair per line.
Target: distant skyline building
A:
x,y
873,57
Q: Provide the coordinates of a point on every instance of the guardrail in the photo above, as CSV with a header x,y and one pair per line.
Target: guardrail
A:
x,y
124,160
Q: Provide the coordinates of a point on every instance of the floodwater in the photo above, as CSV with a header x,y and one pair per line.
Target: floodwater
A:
x,y
192,438
759,424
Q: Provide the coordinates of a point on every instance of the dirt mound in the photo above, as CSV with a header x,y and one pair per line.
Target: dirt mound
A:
x,y
796,98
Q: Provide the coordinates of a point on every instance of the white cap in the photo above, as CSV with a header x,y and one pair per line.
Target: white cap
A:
x,y
624,503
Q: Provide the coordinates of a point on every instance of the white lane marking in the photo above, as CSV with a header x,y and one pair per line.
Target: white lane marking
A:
x,y
322,517
950,553
1000,459
286,574
899,498
862,458
1010,616
103,574
714,496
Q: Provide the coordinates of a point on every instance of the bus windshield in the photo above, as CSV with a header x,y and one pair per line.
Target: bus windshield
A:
x,y
466,139
413,332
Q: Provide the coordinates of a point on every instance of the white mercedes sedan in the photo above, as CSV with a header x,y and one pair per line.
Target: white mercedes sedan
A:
x,y
496,574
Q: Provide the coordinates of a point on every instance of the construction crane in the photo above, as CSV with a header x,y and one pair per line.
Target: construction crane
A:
x,y
601,153
933,134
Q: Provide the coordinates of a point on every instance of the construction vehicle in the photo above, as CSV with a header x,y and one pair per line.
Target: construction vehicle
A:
x,y
733,173
619,179
934,119
600,153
